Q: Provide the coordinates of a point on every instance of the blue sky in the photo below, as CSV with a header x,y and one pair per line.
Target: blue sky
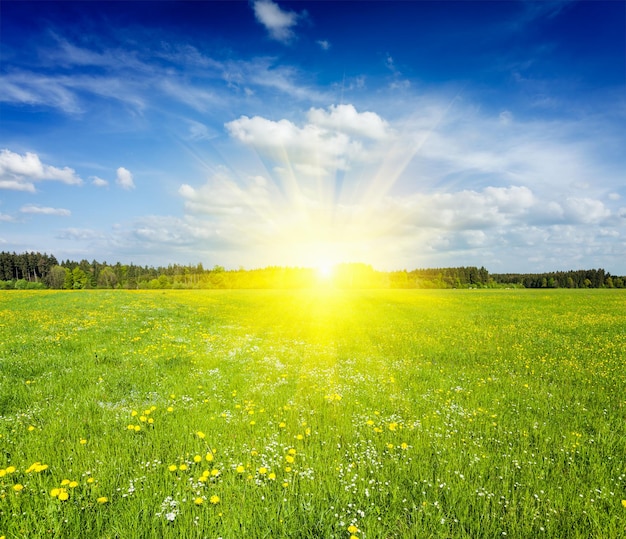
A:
x,y
400,134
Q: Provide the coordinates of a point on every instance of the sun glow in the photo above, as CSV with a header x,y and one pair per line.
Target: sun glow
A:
x,y
324,271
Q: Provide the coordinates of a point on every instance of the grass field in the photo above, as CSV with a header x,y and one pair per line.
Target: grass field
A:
x,y
313,414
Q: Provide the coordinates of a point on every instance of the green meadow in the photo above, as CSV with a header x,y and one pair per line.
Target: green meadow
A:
x,y
313,414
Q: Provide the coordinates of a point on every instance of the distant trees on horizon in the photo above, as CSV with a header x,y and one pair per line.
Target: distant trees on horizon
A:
x,y
36,270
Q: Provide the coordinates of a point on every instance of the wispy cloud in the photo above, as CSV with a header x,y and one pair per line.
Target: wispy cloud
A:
x,y
45,210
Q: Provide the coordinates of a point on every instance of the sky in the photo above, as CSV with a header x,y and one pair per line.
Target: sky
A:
x,y
248,134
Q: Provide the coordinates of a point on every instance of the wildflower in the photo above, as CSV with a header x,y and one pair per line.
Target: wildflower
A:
x,y
133,413
102,500
18,487
65,482
150,421
131,427
262,470
215,499
198,501
73,484
137,428
289,459
209,457
624,503
201,435
272,476
55,492
353,529
172,467
182,467
393,426
83,441
170,409
404,445
31,428
197,458
63,495
90,480
215,472
240,469
282,425
10,469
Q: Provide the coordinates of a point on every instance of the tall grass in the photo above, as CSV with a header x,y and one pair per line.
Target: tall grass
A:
x,y
307,414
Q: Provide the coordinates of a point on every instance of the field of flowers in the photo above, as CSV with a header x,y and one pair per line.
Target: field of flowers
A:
x,y
313,414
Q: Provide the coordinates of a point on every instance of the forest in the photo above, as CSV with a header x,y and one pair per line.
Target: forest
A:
x,y
35,270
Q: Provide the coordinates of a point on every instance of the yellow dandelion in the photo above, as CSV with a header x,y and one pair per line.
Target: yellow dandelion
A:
x,y
18,487
289,459
240,469
73,484
102,500
55,492
201,435
282,425
65,482
271,476
291,451
262,470
285,484
288,469
182,467
353,537
198,501
31,428
3,473
215,499
203,479
134,413
404,445
197,458
170,409
83,441
137,428
91,480
624,503
151,421
131,427
209,457
215,472
63,495
143,418
353,529
172,467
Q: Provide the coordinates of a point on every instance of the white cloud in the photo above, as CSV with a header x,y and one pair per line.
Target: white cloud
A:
x,y
99,182
325,45
346,119
44,210
124,179
19,172
289,145
277,22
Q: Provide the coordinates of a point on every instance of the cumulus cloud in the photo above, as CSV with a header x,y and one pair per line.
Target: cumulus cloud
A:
x,y
346,119
99,182
331,140
277,22
19,172
44,210
325,45
124,179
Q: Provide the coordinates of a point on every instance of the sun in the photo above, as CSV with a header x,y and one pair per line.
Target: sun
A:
x,y
324,271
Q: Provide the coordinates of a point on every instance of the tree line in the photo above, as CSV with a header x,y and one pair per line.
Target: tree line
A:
x,y
36,270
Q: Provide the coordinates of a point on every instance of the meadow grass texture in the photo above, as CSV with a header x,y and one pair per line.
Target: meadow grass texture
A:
x,y
313,414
